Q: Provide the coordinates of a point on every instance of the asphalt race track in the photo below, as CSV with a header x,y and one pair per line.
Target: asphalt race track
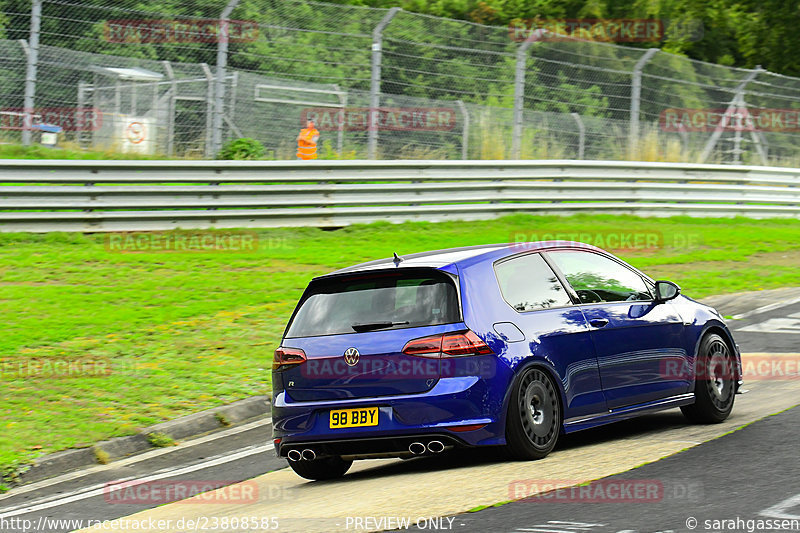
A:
x,y
232,457
750,474
775,331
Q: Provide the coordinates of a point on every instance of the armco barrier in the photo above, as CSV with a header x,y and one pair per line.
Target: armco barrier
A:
x,y
92,196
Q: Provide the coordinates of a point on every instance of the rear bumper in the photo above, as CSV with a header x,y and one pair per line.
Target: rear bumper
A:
x,y
377,447
437,413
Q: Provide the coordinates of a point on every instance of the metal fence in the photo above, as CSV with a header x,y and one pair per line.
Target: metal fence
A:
x,y
97,196
384,84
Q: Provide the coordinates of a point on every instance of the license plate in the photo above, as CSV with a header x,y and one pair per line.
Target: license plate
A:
x,y
354,418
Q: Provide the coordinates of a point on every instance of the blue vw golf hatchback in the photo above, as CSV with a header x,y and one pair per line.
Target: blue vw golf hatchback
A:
x,y
499,345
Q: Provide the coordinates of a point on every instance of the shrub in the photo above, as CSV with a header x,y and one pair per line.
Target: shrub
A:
x,y
244,148
160,440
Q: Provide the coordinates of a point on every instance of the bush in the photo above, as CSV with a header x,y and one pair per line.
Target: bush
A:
x,y
160,440
244,148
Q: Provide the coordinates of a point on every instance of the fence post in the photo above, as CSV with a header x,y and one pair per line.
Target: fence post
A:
x,y
340,127
231,117
464,130
30,71
375,82
519,93
173,93
636,97
581,134
208,150
79,135
219,90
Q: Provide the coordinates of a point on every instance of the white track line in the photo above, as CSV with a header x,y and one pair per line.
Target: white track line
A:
x,y
100,489
765,308
781,510
133,459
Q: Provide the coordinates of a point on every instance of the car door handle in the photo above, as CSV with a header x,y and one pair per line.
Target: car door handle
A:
x,y
599,322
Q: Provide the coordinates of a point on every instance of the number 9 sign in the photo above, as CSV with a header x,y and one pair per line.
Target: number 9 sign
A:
x,y
136,132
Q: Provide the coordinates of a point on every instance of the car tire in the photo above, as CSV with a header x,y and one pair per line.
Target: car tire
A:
x,y
321,469
715,382
533,420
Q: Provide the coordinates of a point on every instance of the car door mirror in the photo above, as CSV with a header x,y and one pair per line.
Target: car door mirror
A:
x,y
666,290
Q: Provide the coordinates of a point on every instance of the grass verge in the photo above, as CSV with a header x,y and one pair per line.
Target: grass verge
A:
x,y
67,151
166,334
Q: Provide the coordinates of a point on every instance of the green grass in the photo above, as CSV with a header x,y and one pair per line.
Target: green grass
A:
x,y
37,151
482,507
177,332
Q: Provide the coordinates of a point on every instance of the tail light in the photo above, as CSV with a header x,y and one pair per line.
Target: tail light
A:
x,y
284,357
456,344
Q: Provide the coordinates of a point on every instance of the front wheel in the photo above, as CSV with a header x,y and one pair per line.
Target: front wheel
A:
x,y
321,469
533,422
715,382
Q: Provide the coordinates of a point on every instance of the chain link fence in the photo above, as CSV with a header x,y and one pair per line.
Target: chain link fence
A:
x,y
380,83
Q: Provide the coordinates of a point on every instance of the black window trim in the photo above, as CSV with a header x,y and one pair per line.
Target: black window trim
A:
x,y
454,279
559,276
645,279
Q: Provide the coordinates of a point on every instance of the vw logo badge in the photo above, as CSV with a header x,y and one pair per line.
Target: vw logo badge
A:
x,y
351,356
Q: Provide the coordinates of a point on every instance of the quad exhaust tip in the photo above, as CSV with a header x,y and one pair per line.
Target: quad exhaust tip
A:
x,y
294,455
309,454
306,455
416,448
435,446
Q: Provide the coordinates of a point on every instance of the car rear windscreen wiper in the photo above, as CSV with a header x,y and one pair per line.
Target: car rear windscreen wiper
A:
x,y
368,326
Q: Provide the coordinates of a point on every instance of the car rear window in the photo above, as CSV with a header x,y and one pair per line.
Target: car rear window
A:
x,y
376,302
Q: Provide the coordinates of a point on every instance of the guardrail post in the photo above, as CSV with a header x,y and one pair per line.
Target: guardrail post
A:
x,y
519,93
219,90
636,98
30,71
375,82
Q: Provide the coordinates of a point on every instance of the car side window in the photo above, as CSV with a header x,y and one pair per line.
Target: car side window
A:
x,y
596,278
528,283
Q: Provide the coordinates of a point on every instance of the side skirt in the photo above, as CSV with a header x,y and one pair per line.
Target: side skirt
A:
x,y
624,413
